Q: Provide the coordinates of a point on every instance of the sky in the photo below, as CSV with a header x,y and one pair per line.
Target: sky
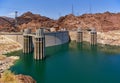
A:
x,y
56,8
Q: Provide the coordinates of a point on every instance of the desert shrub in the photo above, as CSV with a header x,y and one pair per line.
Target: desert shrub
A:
x,y
8,77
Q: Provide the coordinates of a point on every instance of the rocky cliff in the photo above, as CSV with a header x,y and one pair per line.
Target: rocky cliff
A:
x,y
6,24
101,21
34,21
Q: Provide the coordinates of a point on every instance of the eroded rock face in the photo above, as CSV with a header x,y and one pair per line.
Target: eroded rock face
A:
x,y
6,24
16,79
101,21
25,79
109,38
34,21
69,22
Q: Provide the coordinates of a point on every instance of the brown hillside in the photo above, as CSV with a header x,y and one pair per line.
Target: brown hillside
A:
x,y
101,21
6,24
34,21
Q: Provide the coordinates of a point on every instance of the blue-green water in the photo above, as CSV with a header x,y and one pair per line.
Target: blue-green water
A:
x,y
73,63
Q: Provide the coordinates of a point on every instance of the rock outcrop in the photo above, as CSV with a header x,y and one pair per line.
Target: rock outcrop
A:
x,y
25,79
109,38
101,21
6,62
6,24
34,21
9,77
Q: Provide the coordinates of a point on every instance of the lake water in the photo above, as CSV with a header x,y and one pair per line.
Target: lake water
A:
x,y
73,63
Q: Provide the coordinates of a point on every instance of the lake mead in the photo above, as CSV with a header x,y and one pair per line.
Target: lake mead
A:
x,y
73,63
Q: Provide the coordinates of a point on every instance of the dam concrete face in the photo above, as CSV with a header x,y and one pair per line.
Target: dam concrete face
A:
x,y
56,38
51,38
38,41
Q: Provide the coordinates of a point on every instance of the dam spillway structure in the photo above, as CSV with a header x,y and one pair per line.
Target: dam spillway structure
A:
x,y
27,41
79,35
93,37
39,45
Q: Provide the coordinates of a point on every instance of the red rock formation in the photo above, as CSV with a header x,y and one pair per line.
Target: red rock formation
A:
x,y
68,21
101,21
34,21
7,24
25,79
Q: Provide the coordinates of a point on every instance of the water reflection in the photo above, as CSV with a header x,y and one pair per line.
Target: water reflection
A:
x,y
39,71
94,50
80,46
111,50
27,59
52,51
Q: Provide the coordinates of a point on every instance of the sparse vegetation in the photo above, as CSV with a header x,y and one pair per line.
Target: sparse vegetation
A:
x,y
14,53
8,77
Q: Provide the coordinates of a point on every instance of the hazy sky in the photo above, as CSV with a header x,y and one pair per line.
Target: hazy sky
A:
x,y
56,8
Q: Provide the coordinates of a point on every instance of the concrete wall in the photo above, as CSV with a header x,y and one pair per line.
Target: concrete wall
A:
x,y
51,38
56,38
14,36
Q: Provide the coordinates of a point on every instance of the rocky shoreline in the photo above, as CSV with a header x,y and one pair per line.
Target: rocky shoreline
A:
x,y
9,77
7,62
6,46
